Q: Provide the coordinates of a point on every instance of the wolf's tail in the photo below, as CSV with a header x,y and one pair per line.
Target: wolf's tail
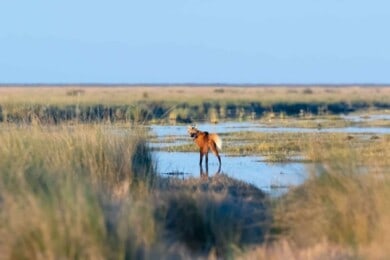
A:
x,y
218,141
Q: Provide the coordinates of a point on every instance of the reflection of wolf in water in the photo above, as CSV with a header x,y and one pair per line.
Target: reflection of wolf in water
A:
x,y
206,142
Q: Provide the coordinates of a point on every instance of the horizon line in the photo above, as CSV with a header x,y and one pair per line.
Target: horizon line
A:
x,y
91,84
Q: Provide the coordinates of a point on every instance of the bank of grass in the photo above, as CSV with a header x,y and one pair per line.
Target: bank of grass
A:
x,y
342,211
213,216
73,192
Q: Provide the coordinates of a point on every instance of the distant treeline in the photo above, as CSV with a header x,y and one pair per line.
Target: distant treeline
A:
x,y
180,112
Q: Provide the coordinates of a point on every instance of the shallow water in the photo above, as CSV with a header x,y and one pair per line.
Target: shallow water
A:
x,y
229,127
273,178
364,118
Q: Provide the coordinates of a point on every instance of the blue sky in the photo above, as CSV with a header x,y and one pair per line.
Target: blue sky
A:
x,y
195,41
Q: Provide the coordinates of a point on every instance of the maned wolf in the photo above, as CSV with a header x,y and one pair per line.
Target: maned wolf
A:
x,y
206,142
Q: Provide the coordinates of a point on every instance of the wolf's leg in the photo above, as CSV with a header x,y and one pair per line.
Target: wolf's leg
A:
x,y
214,149
200,157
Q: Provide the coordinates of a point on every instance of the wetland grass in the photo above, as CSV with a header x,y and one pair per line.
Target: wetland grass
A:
x,y
343,209
71,192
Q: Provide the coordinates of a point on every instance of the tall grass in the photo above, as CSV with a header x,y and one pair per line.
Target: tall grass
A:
x,y
344,204
70,193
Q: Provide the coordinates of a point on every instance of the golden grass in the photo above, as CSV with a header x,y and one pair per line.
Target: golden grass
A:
x,y
344,204
65,193
213,216
64,95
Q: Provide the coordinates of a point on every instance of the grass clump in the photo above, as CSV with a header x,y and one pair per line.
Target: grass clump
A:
x,y
216,216
344,204
69,193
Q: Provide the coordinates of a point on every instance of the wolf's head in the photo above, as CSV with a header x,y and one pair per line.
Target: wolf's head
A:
x,y
192,131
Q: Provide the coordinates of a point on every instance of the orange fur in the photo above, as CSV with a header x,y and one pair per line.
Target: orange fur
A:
x,y
206,141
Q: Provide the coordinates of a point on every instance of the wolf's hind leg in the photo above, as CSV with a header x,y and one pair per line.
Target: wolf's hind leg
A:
x,y
214,149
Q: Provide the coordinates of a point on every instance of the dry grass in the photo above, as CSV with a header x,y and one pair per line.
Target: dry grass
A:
x,y
284,249
65,193
213,216
343,206
124,95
